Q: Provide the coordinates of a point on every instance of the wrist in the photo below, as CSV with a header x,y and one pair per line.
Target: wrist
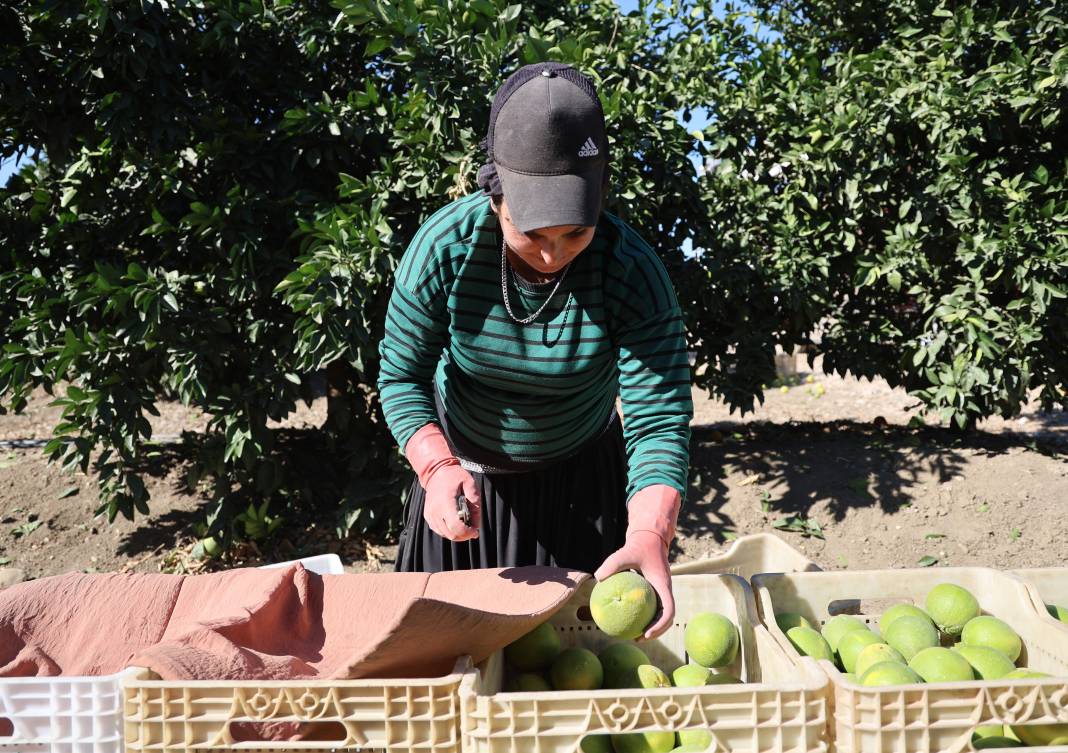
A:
x,y
654,509
428,451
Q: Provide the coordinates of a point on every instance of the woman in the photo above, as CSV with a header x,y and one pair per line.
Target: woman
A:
x,y
518,315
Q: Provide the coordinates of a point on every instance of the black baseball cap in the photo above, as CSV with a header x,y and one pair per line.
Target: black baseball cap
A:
x,y
547,141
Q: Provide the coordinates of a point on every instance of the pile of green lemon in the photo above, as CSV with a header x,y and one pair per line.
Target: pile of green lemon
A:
x,y
622,607
950,641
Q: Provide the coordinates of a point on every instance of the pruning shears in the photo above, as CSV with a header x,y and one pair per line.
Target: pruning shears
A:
x,y
463,508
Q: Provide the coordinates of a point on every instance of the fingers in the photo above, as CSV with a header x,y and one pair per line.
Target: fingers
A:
x,y
441,514
659,578
454,527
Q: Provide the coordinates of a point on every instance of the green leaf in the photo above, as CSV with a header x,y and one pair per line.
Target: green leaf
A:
x,y
70,491
374,47
511,13
927,560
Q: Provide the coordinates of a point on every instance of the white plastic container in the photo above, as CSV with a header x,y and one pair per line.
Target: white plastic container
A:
x,y
749,556
82,714
323,564
782,706
925,717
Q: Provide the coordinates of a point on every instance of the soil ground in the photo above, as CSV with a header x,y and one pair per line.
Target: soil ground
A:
x,y
832,457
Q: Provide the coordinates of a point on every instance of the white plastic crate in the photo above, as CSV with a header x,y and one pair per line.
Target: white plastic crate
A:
x,y
81,714
928,717
748,556
323,564
782,706
62,714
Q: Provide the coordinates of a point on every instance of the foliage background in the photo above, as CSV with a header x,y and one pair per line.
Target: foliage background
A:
x,y
223,189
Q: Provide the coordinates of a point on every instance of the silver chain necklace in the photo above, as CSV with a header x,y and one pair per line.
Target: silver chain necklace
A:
x,y
504,290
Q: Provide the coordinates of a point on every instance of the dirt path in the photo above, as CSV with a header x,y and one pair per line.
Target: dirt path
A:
x,y
831,458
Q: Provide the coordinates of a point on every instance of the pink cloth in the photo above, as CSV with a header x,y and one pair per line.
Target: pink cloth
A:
x,y
276,624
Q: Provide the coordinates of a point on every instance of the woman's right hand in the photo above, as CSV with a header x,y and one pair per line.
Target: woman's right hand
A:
x,y
443,479
439,507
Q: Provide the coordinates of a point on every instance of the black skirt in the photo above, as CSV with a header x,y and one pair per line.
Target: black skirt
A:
x,y
570,514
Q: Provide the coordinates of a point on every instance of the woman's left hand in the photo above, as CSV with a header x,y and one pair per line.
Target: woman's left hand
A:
x,y
645,552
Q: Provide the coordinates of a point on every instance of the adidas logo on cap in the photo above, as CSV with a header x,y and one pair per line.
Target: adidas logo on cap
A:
x,y
589,149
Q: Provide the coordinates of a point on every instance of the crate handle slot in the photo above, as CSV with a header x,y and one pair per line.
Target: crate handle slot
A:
x,y
864,607
330,733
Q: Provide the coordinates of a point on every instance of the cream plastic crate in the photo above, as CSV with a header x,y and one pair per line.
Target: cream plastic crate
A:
x,y
365,715
935,717
1049,586
81,714
386,715
785,706
748,556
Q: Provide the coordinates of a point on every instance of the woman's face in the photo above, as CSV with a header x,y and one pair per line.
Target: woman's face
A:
x,y
546,250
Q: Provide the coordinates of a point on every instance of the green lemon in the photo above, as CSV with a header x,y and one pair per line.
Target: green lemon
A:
x,y
889,673
623,605
875,653
900,610
691,676
644,742
910,635
597,744
951,607
535,651
991,632
528,682
987,663
576,669
808,642
787,620
839,625
620,661
852,644
711,640
939,664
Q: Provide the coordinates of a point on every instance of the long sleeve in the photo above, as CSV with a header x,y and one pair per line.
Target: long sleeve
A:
x,y
414,339
654,373
417,318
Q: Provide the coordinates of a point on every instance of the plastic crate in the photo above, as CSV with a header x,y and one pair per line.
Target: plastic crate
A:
x,y
1049,586
179,716
748,556
323,564
783,707
935,717
81,714
62,714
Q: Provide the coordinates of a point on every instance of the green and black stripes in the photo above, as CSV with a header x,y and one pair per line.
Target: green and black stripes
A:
x,y
539,391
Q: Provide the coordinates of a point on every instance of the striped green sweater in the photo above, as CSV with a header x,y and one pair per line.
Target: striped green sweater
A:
x,y
538,391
